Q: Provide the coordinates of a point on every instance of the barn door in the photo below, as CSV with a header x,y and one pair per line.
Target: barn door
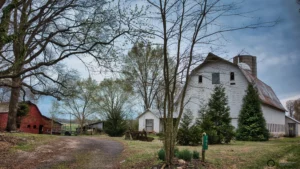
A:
x,y
149,125
292,129
41,129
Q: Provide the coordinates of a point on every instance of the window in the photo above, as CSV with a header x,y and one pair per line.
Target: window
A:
x,y
200,79
231,75
215,78
149,124
28,126
34,126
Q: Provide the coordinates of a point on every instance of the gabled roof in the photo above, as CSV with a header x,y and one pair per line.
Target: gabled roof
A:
x,y
292,119
4,108
211,58
95,123
156,113
266,93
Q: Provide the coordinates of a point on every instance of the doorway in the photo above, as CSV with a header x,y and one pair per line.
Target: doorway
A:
x,y
292,129
41,129
149,125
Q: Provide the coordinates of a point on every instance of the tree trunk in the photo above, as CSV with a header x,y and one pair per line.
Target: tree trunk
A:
x,y
13,105
169,142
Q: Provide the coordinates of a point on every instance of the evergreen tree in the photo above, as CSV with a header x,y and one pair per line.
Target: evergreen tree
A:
x,y
115,124
188,133
183,134
251,122
216,121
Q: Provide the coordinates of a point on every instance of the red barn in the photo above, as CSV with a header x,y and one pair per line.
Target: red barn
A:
x,y
33,122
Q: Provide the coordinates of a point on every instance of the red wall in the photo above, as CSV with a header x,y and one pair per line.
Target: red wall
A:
x,y
33,118
31,122
3,121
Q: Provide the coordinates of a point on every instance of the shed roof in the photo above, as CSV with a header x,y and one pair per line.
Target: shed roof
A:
x,y
292,119
95,123
156,113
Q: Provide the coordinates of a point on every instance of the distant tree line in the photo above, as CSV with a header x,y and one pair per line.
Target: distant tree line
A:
x,y
293,107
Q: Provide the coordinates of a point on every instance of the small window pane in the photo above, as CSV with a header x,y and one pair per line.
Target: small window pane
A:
x,y
200,79
216,78
231,75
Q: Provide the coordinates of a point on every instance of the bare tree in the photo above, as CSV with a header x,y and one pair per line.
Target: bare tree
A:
x,y
297,109
290,107
36,35
81,103
185,26
54,112
113,97
143,68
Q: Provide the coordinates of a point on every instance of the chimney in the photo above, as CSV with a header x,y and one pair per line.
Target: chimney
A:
x,y
249,60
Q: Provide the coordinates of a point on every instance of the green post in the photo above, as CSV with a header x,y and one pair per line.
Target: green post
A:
x,y
204,145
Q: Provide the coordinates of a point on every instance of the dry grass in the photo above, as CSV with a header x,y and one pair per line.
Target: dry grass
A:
x,y
238,154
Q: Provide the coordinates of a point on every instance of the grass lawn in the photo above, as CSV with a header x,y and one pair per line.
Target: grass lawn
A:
x,y
238,154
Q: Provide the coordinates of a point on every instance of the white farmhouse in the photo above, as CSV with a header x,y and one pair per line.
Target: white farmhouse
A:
x,y
235,77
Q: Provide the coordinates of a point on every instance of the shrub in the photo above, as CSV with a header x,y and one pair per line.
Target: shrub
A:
x,y
176,152
185,155
196,155
161,154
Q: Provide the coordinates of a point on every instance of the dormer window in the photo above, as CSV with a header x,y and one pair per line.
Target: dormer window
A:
x,y
231,75
200,79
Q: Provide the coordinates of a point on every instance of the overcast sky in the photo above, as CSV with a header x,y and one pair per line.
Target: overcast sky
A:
x,y
277,49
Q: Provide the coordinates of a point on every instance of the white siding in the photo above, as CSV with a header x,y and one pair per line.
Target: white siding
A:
x,y
287,121
198,94
149,115
275,119
273,116
98,126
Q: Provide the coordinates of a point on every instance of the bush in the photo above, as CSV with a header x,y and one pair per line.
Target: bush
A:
x,y
196,155
161,154
185,155
176,152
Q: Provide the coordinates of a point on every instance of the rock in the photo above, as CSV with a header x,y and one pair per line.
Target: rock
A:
x,y
179,167
181,161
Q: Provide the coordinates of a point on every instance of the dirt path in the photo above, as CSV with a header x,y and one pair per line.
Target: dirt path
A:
x,y
68,152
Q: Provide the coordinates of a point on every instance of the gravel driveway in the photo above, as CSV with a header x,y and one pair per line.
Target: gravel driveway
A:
x,y
69,152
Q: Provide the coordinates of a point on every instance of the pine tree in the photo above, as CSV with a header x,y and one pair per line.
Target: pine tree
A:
x,y
115,124
251,122
216,121
188,133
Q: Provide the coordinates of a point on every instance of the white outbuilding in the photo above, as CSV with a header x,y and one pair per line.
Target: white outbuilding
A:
x,y
292,127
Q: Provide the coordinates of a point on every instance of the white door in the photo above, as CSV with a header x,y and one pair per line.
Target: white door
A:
x,y
149,125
